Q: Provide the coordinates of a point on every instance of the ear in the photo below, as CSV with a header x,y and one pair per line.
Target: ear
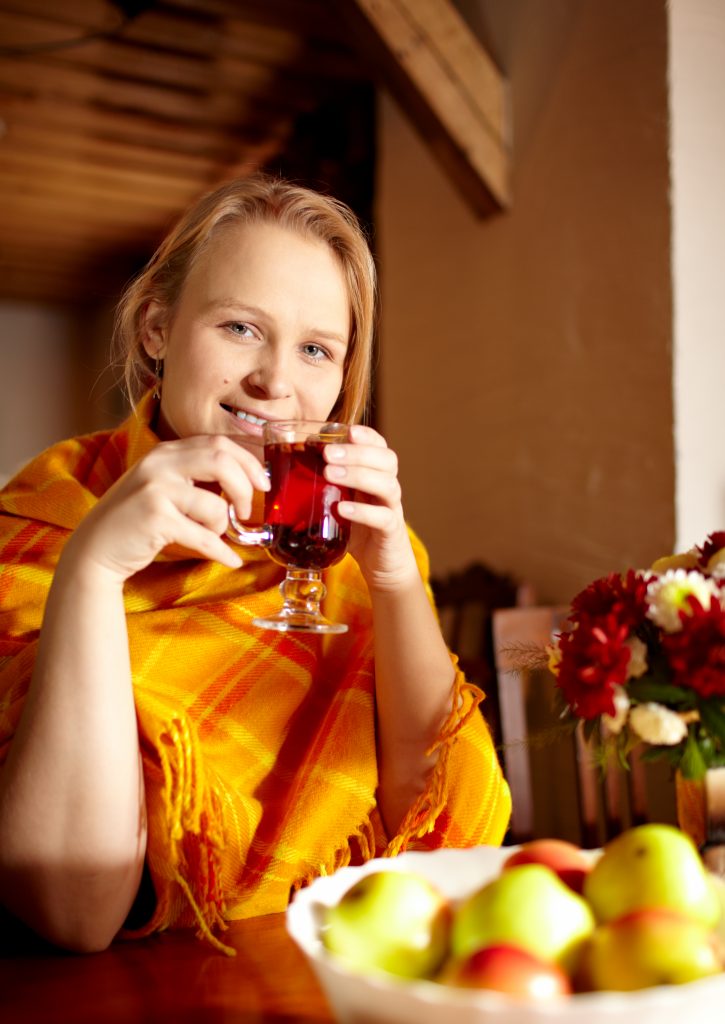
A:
x,y
153,329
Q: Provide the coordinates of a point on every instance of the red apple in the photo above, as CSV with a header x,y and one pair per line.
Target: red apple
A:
x,y
565,859
509,969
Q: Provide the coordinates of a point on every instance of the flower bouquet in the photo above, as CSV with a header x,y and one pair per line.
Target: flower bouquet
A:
x,y
642,658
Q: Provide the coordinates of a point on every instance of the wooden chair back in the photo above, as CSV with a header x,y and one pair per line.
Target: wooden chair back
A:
x,y
543,762
466,601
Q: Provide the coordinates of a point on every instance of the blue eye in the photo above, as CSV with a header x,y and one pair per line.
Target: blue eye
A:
x,y
315,352
240,329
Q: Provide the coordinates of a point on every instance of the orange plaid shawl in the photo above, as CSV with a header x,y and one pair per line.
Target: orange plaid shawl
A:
x,y
258,748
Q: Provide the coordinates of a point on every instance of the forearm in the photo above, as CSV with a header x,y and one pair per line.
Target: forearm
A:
x,y
414,678
72,830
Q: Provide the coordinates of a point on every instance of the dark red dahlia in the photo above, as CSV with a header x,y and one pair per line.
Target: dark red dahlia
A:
x,y
594,659
713,543
696,653
624,597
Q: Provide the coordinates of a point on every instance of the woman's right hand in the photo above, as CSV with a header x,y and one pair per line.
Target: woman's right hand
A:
x,y
159,501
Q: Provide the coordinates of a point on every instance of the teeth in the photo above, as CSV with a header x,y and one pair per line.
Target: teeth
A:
x,y
248,416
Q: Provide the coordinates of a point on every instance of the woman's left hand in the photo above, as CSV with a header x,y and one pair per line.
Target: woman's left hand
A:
x,y
379,539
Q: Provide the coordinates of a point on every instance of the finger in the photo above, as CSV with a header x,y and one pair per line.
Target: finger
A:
x,y
212,459
204,507
192,535
384,487
376,517
378,457
240,477
360,434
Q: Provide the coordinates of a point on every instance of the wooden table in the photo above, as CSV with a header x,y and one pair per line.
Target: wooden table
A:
x,y
173,978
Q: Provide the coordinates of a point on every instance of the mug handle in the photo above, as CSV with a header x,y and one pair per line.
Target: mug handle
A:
x,y
253,535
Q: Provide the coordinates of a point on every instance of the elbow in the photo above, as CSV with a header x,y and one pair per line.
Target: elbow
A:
x,y
74,932
74,935
80,936
91,940
77,914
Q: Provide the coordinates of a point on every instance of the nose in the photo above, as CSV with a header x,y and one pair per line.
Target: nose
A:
x,y
270,378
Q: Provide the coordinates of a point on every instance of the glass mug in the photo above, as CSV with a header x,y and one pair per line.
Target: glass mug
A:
x,y
301,530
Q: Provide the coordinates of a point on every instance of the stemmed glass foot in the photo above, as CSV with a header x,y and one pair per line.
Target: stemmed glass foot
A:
x,y
302,591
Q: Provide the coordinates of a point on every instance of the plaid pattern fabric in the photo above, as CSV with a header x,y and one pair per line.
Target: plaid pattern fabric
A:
x,y
258,748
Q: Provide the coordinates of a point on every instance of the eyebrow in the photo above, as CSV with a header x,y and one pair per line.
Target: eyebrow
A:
x,y
232,305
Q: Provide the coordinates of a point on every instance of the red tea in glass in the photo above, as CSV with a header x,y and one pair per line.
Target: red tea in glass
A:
x,y
302,529
301,507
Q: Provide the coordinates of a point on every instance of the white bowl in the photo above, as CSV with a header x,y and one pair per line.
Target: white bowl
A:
x,y
364,999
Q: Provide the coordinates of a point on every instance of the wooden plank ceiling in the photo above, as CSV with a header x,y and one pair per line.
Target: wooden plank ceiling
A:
x,y
115,115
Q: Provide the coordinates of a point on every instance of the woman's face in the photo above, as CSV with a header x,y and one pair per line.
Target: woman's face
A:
x,y
260,332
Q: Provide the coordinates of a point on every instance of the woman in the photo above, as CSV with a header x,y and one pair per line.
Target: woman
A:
x,y
170,763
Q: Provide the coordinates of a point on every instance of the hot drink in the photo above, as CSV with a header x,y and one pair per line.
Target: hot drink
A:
x,y
303,530
301,507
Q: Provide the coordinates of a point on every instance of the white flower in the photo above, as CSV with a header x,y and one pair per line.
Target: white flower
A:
x,y
615,723
667,596
656,724
637,657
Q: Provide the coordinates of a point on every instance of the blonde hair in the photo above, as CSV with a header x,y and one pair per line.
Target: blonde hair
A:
x,y
245,201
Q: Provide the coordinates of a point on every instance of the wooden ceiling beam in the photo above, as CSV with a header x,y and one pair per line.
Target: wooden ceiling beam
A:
x,y
105,141
143,130
232,91
308,17
164,50
447,84
108,204
57,239
72,175
54,141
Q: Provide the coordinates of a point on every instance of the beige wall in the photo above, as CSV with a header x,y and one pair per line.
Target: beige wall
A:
x,y
697,133
55,378
526,367
36,380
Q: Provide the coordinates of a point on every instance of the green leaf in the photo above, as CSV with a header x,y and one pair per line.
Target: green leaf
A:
x,y
647,689
673,755
622,756
712,715
692,764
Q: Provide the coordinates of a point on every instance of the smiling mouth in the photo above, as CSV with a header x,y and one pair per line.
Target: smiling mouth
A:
x,y
247,417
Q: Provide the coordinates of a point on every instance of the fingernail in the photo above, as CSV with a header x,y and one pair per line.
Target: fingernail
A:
x,y
335,451
336,472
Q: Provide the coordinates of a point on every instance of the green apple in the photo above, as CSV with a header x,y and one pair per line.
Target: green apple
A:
x,y
718,884
651,865
527,906
649,947
511,970
394,921
565,859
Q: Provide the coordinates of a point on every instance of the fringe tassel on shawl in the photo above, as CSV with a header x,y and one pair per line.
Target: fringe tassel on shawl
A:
x,y
193,812
422,816
365,838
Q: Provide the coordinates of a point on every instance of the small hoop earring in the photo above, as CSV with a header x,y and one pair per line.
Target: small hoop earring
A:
x,y
158,374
